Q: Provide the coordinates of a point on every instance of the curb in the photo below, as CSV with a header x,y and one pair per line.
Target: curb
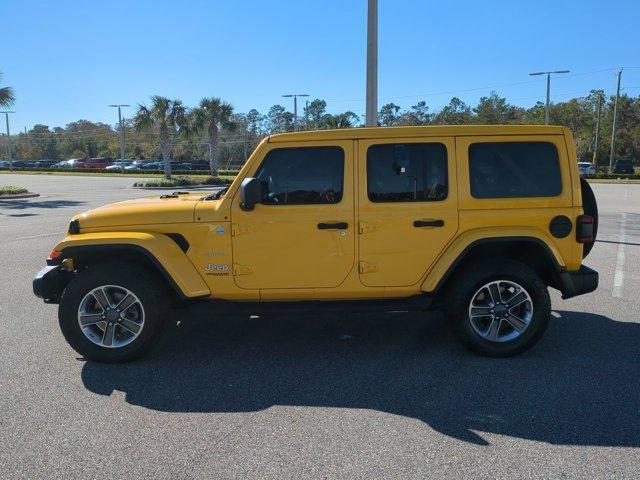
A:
x,y
630,181
21,195
178,187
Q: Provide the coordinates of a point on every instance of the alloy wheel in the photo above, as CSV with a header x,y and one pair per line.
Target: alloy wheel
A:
x,y
500,311
111,316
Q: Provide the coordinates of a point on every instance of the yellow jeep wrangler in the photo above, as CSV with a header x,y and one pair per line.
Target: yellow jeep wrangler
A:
x,y
475,220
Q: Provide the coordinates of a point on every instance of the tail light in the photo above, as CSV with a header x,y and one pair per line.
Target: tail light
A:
x,y
584,229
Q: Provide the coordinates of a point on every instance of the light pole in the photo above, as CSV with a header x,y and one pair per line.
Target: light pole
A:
x,y
548,74
615,119
6,116
295,107
597,139
371,116
121,123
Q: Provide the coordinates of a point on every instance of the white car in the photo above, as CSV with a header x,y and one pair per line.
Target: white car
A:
x,y
586,168
116,166
136,165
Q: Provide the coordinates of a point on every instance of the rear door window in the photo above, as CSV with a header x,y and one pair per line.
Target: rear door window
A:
x,y
407,172
514,169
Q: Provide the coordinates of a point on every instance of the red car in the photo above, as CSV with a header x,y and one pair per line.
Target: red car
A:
x,y
98,162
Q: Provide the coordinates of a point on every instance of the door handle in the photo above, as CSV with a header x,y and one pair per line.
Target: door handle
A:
x,y
333,226
428,223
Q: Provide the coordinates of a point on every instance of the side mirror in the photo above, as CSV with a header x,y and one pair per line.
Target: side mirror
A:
x,y
252,191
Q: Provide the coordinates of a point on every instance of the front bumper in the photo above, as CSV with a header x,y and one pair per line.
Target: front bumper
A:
x,y
49,283
578,282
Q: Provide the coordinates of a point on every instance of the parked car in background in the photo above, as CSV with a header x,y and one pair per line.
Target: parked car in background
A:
x,y
116,166
99,162
200,165
4,164
623,166
180,167
45,163
586,168
151,166
71,163
175,166
135,165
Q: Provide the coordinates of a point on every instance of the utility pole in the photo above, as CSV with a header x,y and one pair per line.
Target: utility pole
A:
x,y
6,116
594,162
371,116
121,123
295,107
548,104
615,119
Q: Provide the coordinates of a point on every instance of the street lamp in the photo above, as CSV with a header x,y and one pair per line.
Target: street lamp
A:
x,y
548,74
295,107
121,123
6,116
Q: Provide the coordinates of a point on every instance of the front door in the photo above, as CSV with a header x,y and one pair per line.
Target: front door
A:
x,y
303,234
407,193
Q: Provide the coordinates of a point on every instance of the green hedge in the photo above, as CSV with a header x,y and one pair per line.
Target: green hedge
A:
x,y
612,176
126,172
179,181
12,190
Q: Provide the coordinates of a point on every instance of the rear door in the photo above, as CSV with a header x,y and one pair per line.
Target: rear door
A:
x,y
407,194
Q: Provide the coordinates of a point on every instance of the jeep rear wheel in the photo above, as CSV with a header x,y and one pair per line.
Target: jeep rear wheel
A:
x,y
113,312
500,308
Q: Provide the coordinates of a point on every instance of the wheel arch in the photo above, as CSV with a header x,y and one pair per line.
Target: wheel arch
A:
x,y
532,251
157,252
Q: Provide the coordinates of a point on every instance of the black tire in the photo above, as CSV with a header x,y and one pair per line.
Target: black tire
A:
x,y
150,290
590,207
468,282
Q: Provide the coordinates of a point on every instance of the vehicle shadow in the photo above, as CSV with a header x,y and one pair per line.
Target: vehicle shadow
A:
x,y
27,203
579,386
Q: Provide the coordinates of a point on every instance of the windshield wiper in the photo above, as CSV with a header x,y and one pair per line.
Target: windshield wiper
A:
x,y
218,194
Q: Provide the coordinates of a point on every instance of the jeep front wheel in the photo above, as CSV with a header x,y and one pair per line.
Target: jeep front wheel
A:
x,y
499,308
113,312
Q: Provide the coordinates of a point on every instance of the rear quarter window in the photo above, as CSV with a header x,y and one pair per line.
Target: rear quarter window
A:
x,y
514,169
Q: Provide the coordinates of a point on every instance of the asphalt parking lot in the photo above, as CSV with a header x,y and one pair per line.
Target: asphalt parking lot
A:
x,y
358,396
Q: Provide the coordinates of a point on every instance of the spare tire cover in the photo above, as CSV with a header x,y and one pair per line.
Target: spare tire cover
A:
x,y
590,207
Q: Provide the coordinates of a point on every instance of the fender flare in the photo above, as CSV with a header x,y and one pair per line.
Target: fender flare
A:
x,y
454,255
160,250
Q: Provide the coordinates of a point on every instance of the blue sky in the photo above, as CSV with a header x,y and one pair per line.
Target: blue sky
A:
x,y
70,59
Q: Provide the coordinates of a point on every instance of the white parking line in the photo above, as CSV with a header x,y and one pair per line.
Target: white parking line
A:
x,y
618,279
60,234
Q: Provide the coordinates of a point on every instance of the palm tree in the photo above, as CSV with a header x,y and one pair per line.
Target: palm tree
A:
x,y
213,115
164,116
7,96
